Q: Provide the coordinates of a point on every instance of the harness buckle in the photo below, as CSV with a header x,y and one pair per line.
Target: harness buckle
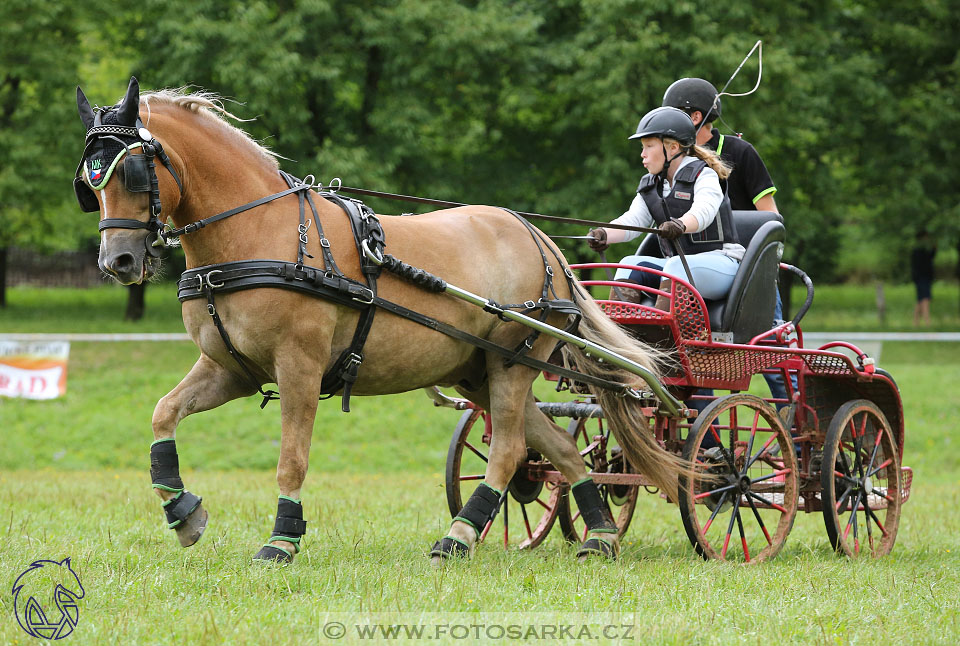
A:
x,y
530,305
210,282
211,310
324,243
366,295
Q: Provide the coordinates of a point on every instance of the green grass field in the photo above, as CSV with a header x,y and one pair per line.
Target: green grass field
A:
x,y
74,482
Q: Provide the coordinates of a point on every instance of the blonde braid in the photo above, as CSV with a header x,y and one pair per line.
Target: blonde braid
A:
x,y
713,161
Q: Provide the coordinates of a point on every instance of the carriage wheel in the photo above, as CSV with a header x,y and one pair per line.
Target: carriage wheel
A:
x,y
744,481
593,442
530,509
862,490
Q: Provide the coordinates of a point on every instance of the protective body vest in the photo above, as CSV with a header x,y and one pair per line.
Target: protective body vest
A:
x,y
678,202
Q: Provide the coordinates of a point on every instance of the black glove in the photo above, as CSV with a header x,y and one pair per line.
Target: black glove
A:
x,y
672,229
599,241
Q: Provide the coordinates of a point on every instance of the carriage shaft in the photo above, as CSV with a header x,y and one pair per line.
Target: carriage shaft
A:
x,y
671,405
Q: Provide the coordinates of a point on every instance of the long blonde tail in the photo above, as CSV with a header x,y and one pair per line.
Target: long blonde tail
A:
x,y
632,430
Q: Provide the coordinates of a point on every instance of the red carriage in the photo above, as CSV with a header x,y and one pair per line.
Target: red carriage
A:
x,y
834,447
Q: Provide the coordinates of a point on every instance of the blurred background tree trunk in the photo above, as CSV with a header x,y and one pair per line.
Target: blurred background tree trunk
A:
x,y
135,302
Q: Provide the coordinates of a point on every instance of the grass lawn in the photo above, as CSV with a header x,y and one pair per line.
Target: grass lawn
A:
x,y
74,482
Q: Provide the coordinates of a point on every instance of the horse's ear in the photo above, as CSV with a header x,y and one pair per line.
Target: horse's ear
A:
x,y
83,107
129,108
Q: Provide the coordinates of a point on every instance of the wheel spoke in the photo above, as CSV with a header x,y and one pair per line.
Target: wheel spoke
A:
x,y
760,452
851,522
843,499
756,515
883,530
716,510
506,522
478,453
476,477
705,494
780,508
733,519
753,435
526,521
743,538
883,466
781,472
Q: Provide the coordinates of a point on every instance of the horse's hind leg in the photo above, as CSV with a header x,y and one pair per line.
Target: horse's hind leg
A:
x,y
560,448
206,386
505,399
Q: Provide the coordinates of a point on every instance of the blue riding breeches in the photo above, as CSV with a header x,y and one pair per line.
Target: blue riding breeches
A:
x,y
712,271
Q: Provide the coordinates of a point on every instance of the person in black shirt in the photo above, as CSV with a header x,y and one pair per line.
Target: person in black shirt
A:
x,y
749,186
921,271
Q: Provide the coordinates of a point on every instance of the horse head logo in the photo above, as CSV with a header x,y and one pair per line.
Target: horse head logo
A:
x,y
45,589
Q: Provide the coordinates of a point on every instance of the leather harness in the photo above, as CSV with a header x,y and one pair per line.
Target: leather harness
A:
x,y
328,282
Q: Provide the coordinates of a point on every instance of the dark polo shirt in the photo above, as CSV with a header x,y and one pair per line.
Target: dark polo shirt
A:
x,y
750,179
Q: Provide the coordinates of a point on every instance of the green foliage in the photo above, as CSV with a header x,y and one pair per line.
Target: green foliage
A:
x,y
526,104
39,132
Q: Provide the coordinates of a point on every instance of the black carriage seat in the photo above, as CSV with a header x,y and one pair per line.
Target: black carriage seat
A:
x,y
748,308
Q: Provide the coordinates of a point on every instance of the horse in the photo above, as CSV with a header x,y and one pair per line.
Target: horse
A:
x,y
273,335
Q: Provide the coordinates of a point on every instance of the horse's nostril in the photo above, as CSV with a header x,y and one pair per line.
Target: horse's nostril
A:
x,y
123,263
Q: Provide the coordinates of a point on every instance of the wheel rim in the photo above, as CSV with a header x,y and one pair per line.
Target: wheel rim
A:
x,y
620,499
741,501
520,524
860,479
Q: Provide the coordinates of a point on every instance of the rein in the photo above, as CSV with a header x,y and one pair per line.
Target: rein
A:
x,y
533,216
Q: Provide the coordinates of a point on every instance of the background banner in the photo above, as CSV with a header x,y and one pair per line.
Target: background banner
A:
x,y
34,369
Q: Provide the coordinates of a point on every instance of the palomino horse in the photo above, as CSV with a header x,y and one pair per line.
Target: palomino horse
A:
x,y
290,338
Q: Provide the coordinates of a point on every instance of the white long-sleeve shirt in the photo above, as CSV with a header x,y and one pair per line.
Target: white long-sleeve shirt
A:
x,y
707,198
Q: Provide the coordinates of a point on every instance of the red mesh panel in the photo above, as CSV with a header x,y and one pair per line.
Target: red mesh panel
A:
x,y
832,364
729,363
630,313
691,316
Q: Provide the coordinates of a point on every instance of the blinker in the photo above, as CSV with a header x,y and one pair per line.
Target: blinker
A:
x,y
136,173
86,198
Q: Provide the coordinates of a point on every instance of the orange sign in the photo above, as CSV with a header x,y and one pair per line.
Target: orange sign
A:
x,y
34,370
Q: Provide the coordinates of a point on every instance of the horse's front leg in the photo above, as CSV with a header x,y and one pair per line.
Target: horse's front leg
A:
x,y
206,386
298,378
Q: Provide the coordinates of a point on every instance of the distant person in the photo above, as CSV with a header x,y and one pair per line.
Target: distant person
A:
x,y
921,272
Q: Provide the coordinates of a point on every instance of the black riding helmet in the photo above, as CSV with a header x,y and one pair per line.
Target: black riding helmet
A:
x,y
667,122
691,94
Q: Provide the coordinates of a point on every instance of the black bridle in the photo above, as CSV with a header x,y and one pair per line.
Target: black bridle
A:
x,y
140,176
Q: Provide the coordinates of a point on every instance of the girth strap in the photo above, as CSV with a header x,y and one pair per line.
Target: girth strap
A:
x,y
366,230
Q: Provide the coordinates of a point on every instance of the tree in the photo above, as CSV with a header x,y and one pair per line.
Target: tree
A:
x,y
38,74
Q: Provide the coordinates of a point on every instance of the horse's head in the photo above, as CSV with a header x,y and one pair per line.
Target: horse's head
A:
x,y
119,146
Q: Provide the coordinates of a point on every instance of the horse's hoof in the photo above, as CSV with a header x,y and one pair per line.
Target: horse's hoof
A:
x,y
598,546
192,528
448,548
271,554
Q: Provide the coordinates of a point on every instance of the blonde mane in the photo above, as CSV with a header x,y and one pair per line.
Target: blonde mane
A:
x,y
209,106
